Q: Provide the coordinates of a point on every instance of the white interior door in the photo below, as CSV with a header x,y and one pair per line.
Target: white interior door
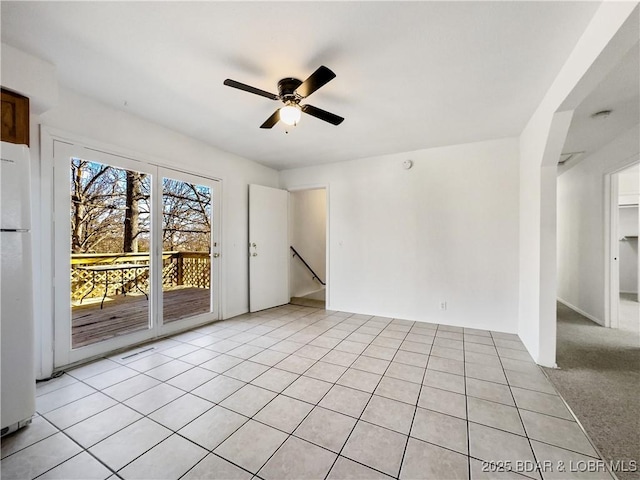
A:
x,y
268,247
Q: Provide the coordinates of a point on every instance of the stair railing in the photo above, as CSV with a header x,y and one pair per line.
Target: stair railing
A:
x,y
315,275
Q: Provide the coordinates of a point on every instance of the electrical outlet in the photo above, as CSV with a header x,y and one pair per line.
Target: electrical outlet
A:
x,y
443,305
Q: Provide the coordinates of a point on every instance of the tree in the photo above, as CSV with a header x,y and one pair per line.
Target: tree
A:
x,y
99,207
94,205
110,211
186,216
132,211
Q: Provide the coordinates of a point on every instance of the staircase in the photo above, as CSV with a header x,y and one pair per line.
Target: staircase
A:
x,y
315,299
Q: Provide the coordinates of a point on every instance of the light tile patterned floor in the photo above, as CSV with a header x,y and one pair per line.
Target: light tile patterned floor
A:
x,y
302,393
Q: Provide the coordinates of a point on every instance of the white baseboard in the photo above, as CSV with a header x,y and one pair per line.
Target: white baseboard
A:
x,y
581,312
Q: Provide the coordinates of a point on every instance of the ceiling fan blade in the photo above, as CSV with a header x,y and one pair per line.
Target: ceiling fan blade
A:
x,y
248,88
317,79
272,120
322,114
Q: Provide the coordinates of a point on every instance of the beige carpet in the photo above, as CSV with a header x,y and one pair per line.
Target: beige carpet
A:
x,y
306,302
599,377
315,300
629,313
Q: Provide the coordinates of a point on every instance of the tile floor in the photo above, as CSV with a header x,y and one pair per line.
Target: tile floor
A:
x,y
303,393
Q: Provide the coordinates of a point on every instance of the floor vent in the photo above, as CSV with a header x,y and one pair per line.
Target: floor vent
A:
x,y
138,353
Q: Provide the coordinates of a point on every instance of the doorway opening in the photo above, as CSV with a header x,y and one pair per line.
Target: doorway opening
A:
x,y
625,268
308,247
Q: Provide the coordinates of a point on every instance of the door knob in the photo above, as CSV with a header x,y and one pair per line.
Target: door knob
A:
x,y
216,255
254,254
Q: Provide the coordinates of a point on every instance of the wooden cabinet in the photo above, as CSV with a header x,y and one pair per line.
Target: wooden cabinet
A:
x,y
15,118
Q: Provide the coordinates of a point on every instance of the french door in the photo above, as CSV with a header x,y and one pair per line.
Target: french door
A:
x,y
190,246
137,250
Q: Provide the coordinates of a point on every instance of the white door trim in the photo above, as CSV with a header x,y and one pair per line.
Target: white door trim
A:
x,y
612,270
612,246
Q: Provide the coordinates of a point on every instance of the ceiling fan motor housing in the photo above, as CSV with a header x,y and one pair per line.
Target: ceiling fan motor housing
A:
x,y
286,89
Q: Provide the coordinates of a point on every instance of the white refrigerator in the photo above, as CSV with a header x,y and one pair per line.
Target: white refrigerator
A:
x,y
17,383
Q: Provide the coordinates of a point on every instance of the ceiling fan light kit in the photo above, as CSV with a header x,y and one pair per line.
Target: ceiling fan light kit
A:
x,y
290,114
291,92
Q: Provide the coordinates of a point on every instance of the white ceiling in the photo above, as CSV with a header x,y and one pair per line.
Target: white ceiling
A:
x,y
618,92
410,75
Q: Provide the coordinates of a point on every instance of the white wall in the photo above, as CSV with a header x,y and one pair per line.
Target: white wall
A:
x,y
31,76
609,36
101,125
308,235
401,241
581,226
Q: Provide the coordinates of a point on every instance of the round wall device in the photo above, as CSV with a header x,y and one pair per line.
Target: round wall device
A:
x,y
407,164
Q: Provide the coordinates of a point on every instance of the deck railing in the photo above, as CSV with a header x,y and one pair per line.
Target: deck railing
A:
x,y
178,269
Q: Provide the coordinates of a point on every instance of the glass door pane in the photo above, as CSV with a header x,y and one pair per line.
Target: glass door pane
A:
x,y
110,244
186,249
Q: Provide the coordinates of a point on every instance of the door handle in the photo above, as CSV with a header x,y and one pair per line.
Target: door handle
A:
x,y
253,246
254,254
216,255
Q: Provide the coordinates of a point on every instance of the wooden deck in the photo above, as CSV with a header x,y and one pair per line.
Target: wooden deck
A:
x,y
126,314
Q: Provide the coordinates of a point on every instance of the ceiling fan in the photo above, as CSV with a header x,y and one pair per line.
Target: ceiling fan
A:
x,y
291,91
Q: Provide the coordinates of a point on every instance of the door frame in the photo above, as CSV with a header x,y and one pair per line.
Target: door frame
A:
x,y
326,187
612,270
612,246
50,356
